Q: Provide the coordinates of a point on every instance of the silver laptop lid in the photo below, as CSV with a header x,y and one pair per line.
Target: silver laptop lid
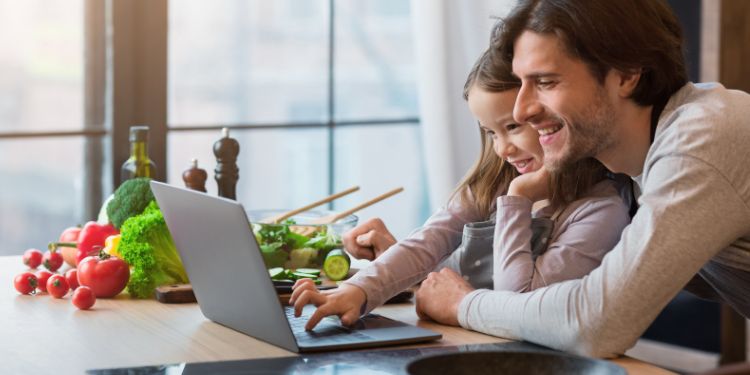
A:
x,y
224,264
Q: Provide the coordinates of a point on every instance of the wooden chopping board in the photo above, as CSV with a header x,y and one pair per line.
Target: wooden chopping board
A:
x,y
183,293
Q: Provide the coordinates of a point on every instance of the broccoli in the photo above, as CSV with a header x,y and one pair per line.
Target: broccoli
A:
x,y
147,246
130,199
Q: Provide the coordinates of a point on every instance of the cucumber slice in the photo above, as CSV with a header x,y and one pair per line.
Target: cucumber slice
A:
x,y
309,271
301,275
336,265
277,273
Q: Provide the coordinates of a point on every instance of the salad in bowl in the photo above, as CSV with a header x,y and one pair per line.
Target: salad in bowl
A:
x,y
282,244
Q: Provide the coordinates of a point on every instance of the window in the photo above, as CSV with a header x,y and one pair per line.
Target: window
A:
x,y
44,136
320,94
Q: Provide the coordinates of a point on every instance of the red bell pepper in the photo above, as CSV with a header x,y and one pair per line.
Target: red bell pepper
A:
x,y
90,240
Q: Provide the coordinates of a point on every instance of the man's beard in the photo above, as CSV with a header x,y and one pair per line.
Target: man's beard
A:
x,y
589,133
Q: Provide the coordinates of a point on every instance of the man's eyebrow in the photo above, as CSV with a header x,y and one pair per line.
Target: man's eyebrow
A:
x,y
541,75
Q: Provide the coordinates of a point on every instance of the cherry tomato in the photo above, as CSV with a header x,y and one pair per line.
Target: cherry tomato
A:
x,y
52,260
106,275
72,278
42,277
32,258
25,283
83,298
57,286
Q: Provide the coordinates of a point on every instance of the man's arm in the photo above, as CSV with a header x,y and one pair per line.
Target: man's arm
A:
x,y
689,212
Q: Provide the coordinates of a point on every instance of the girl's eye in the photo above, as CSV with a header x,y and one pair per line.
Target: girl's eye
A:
x,y
511,127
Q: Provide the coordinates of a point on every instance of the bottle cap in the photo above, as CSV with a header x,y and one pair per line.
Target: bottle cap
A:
x,y
138,133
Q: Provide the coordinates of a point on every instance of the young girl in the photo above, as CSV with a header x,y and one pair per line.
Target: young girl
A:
x,y
488,232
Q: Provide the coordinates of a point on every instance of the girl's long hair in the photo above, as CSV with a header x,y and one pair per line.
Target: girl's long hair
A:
x,y
490,175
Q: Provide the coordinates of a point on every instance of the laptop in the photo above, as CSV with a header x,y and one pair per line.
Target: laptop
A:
x,y
233,288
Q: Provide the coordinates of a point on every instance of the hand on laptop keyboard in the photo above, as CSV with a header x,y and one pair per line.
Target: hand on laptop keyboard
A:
x,y
345,301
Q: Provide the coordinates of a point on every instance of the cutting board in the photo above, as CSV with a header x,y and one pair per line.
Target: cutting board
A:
x,y
183,293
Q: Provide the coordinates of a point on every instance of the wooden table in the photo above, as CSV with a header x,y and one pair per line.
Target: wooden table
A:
x,y
40,334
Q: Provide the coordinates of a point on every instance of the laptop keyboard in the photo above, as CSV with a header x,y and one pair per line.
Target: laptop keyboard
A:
x,y
329,328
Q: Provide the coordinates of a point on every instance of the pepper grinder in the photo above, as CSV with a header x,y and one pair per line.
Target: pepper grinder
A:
x,y
226,174
194,177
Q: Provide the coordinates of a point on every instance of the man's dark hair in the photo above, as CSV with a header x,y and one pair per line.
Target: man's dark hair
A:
x,y
626,35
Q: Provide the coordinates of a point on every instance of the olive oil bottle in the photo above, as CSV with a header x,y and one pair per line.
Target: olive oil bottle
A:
x,y
138,164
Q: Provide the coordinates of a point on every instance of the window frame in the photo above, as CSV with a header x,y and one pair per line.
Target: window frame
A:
x,y
140,80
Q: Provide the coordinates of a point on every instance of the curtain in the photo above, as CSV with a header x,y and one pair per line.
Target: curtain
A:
x,y
449,36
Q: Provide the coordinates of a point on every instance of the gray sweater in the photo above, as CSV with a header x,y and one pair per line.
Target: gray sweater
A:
x,y
693,211
583,233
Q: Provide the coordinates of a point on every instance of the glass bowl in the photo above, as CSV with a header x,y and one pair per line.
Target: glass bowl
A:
x,y
303,219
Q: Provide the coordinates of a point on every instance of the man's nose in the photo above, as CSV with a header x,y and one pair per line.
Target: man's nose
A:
x,y
527,106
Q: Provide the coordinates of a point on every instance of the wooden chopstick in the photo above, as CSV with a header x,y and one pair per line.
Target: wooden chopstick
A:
x,y
372,201
327,199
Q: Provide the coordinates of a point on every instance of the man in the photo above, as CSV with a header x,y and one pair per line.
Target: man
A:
x,y
607,79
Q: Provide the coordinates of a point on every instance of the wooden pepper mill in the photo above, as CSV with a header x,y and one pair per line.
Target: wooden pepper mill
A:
x,y
227,173
194,177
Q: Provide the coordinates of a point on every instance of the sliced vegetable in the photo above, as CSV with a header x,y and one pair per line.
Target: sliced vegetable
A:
x,y
336,265
277,273
300,275
310,271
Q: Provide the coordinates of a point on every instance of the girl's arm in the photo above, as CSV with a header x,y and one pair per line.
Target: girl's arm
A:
x,y
580,240
410,260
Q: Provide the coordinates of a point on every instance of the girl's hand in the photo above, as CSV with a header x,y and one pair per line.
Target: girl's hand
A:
x,y
368,240
534,185
345,301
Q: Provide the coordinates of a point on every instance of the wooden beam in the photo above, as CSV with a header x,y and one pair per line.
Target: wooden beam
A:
x,y
725,37
139,79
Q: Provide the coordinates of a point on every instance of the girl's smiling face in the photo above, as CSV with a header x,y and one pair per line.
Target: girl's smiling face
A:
x,y
517,144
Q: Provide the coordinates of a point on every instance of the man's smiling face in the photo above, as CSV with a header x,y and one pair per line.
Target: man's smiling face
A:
x,y
560,97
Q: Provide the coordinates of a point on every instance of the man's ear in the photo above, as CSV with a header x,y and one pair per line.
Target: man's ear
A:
x,y
627,82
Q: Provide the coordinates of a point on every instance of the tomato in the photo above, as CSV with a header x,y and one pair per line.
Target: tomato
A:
x,y
25,283
83,298
52,260
42,277
106,275
57,286
72,278
32,258
69,253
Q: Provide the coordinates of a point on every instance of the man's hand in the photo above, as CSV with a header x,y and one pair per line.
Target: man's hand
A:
x,y
439,296
344,301
368,240
533,186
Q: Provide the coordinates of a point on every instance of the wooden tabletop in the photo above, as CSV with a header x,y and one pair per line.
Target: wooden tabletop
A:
x,y
40,334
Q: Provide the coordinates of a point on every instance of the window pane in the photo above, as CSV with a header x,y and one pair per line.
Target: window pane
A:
x,y
379,158
240,61
279,168
41,65
42,191
375,69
